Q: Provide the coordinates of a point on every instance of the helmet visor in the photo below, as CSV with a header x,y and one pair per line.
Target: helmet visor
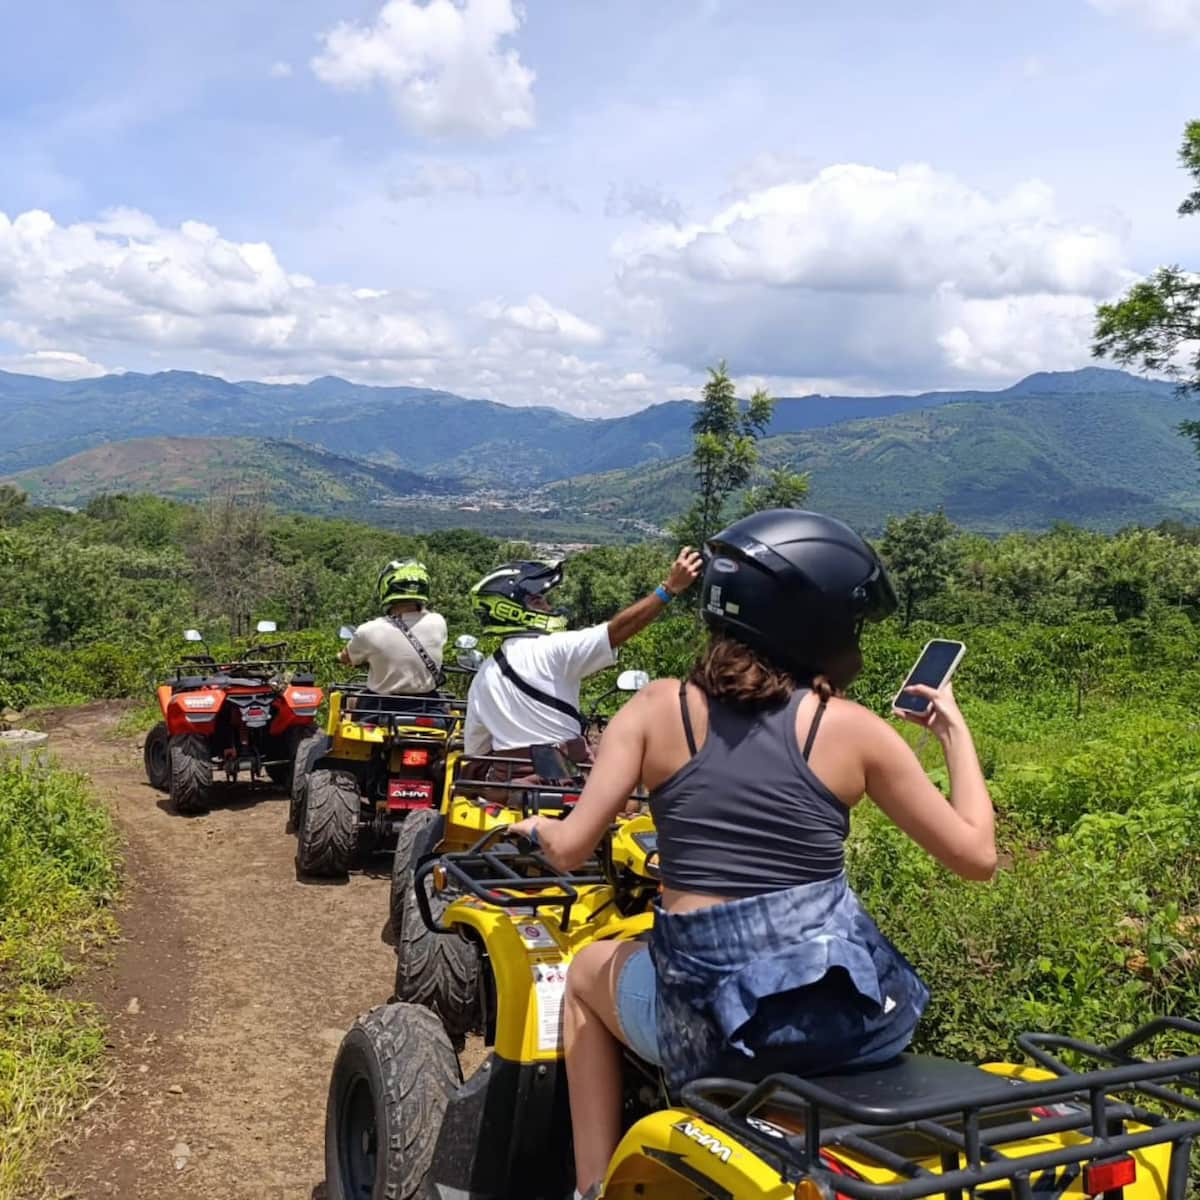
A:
x,y
875,595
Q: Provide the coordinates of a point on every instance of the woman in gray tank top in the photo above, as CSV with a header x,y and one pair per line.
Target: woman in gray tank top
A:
x,y
761,958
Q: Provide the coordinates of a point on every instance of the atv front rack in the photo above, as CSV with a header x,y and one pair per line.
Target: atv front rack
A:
x,y
967,1130
503,876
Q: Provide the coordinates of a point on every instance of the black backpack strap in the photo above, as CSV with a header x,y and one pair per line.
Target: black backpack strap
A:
x,y
523,685
687,718
434,670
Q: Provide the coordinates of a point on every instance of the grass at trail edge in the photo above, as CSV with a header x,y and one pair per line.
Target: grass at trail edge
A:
x,y
58,878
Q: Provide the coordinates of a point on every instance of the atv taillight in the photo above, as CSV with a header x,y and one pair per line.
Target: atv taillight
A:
x,y
1108,1176
427,722
415,758
834,1165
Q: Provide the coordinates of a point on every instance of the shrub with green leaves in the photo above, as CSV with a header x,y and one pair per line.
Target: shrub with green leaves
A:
x,y
58,877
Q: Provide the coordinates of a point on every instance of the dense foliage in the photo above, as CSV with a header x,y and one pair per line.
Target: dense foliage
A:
x,y
57,877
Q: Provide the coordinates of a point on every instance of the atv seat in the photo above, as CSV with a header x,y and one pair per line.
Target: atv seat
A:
x,y
908,1079
874,1095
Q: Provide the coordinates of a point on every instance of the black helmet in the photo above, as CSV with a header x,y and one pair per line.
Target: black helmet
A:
x,y
796,587
501,598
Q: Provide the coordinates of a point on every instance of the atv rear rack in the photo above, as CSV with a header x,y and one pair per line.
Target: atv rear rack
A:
x,y
967,1129
489,866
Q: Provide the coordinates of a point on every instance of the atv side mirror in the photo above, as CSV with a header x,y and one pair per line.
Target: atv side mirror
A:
x,y
266,627
471,660
346,632
632,681
192,635
466,641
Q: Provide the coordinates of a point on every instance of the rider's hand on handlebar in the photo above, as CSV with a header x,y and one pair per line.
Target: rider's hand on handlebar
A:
x,y
684,571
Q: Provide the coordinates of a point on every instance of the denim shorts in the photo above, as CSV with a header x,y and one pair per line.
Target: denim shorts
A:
x,y
637,1005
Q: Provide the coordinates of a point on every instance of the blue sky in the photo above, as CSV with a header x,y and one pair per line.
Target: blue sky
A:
x,y
583,203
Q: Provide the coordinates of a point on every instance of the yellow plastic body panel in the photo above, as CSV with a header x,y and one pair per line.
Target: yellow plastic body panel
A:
x,y
529,954
679,1136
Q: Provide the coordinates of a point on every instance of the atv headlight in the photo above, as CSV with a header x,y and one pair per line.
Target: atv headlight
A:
x,y
199,701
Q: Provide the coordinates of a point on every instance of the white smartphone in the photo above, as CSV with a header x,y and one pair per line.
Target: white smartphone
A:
x,y
937,663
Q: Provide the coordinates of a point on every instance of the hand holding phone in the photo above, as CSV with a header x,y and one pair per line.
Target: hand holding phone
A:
x,y
930,674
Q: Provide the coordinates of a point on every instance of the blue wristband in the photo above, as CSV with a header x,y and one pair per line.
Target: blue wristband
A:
x,y
533,836
662,593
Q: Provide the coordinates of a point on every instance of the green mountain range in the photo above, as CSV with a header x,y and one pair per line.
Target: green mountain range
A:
x,y
292,476
1097,447
1044,451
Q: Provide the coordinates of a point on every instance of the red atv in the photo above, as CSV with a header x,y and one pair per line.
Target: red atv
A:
x,y
250,714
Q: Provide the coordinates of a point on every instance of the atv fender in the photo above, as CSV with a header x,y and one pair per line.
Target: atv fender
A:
x,y
506,1132
672,1153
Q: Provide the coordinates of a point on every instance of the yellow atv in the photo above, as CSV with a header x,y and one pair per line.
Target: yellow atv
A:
x,y
382,761
401,1122
443,973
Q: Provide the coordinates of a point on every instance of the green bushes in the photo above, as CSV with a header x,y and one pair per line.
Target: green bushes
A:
x,y
58,875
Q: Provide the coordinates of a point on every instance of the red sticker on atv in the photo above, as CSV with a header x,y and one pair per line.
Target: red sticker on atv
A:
x,y
410,793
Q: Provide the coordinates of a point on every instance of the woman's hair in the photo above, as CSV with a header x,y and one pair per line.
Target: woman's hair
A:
x,y
737,675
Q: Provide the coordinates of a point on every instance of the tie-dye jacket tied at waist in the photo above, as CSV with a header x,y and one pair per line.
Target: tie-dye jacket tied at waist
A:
x,y
800,980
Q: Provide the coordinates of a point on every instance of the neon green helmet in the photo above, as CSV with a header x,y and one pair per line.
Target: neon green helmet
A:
x,y
403,579
501,599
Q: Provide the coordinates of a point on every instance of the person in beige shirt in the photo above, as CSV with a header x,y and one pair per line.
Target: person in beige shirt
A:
x,y
402,650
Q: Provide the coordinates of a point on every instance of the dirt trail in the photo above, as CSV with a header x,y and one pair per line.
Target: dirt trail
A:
x,y
232,987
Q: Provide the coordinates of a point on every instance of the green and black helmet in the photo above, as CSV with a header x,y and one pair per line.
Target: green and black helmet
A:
x,y
501,598
403,579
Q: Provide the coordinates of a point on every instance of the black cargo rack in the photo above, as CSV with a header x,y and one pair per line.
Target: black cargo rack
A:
x,y
490,865
201,672
392,712
967,1127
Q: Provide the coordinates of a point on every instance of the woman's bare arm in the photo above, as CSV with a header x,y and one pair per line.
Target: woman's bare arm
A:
x,y
616,773
960,834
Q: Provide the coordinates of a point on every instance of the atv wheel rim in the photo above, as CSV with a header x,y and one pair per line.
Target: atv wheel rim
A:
x,y
359,1140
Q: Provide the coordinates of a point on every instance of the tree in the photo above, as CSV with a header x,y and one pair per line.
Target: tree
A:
x,y
921,555
14,504
782,489
724,451
1155,326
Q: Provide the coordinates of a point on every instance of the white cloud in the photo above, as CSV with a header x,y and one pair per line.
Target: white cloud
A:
x,y
441,62
281,70
1171,17
53,364
538,316
908,277
125,280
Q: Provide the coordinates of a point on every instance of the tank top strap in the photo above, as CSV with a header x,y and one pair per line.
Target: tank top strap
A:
x,y
688,732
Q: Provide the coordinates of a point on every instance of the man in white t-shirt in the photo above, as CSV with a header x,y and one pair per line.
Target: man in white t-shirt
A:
x,y
402,649
527,693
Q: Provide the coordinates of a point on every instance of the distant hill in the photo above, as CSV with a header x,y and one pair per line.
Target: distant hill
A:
x,y
1098,451
294,477
1095,446
417,429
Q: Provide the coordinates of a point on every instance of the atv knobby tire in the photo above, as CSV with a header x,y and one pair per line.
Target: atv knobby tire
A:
x,y
311,747
392,1080
156,755
328,824
404,863
437,970
191,774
